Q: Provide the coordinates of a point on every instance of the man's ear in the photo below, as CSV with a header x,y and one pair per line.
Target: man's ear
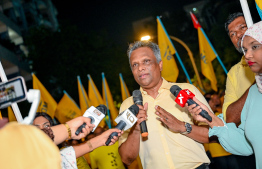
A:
x,y
160,65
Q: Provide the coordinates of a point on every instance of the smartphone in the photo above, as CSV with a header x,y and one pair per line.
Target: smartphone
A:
x,y
13,91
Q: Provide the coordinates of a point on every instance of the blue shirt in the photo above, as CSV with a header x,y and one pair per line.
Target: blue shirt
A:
x,y
247,138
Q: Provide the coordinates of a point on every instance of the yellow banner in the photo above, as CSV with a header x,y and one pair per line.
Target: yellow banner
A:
x,y
207,55
67,109
124,90
11,114
83,98
170,71
108,99
95,97
47,103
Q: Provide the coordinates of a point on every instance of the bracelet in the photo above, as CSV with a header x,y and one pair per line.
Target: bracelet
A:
x,y
89,145
68,130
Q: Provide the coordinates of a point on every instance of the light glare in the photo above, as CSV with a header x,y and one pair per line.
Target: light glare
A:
x,y
145,38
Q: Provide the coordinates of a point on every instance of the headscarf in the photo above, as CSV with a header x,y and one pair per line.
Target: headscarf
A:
x,y
255,31
25,146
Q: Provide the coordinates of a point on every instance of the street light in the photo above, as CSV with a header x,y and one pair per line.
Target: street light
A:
x,y
145,38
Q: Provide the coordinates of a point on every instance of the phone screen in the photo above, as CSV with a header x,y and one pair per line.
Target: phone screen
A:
x,y
12,91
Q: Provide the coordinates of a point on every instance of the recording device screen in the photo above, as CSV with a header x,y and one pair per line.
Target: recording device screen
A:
x,y
12,91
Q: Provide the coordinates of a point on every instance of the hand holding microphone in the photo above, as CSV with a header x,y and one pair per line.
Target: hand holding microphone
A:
x,y
95,114
137,97
186,96
125,120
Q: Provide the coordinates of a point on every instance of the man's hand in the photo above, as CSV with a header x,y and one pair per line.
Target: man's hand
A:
x,y
141,116
170,121
74,124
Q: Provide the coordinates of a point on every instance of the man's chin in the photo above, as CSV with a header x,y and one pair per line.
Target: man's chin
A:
x,y
144,82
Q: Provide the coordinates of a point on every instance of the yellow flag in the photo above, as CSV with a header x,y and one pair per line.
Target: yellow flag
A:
x,y
83,98
124,91
207,55
47,103
170,70
67,109
11,114
107,96
95,97
93,93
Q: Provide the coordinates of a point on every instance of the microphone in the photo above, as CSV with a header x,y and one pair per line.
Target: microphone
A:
x,y
125,120
95,114
185,96
137,97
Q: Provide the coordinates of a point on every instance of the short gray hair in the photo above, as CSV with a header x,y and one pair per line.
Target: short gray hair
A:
x,y
138,44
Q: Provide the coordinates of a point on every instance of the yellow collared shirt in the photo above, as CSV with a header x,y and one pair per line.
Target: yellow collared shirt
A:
x,y
239,79
164,148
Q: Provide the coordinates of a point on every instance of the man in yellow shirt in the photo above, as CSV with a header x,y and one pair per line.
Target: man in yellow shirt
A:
x,y
179,144
239,77
105,157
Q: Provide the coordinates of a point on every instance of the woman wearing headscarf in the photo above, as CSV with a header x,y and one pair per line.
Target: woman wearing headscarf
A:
x,y
246,138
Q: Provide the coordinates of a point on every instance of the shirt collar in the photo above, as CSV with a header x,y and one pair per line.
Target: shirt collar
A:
x,y
164,85
243,62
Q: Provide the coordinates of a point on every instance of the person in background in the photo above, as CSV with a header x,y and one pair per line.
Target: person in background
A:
x,y
44,121
239,77
105,157
246,138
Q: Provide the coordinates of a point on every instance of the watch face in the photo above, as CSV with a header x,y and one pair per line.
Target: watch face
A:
x,y
188,127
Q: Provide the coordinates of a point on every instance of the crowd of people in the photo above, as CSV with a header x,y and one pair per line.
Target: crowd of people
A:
x,y
179,137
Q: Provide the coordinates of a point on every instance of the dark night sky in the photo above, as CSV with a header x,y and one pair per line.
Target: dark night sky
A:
x,y
114,16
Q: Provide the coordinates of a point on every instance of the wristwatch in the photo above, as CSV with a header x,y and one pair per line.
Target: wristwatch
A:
x,y
188,128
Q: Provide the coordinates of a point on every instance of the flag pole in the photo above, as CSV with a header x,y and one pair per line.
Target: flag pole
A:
x,y
191,58
122,80
108,114
246,13
177,55
218,58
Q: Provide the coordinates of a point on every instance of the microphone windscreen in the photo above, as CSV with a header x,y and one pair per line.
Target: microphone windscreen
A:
x,y
137,97
175,90
134,109
102,108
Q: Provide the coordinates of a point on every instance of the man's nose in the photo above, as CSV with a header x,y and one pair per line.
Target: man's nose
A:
x,y
141,67
240,34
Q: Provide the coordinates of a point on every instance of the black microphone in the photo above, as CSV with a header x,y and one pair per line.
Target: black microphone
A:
x,y
95,114
137,97
125,120
176,91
